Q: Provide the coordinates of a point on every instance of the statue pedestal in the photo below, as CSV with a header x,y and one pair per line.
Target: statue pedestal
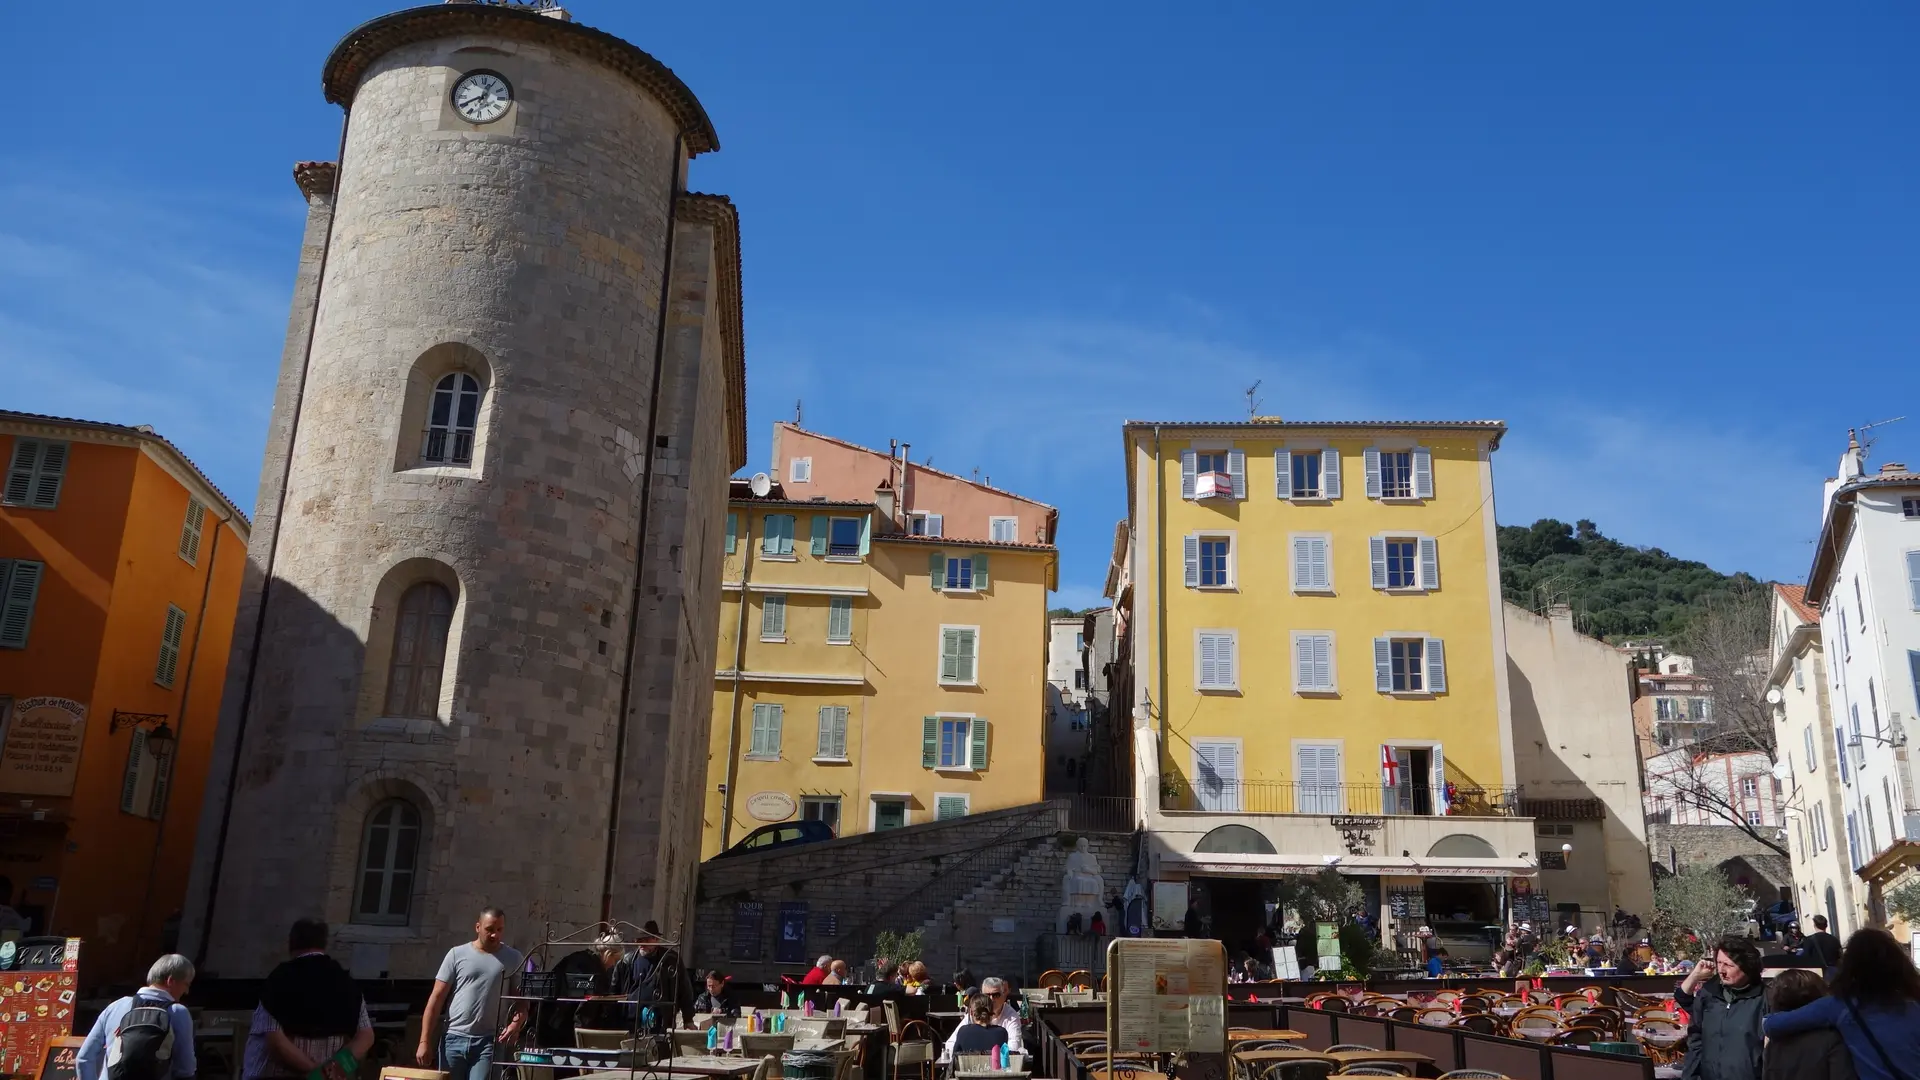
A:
x,y
1067,911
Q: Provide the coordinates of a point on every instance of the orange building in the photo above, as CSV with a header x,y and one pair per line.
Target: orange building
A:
x,y
120,567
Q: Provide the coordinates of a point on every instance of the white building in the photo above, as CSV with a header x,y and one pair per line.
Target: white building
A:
x,y
1865,583
1815,801
1688,787
1067,696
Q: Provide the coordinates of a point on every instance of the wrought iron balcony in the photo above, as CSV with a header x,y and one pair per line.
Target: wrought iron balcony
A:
x,y
1336,800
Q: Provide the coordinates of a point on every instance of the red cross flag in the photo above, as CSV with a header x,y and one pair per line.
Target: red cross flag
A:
x,y
1389,766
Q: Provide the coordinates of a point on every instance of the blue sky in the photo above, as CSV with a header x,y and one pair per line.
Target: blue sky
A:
x,y
1671,245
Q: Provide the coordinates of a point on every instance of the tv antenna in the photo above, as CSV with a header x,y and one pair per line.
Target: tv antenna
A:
x,y
796,413
1867,441
1253,403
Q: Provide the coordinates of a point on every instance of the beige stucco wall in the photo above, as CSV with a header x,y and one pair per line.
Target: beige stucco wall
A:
x,y
1573,738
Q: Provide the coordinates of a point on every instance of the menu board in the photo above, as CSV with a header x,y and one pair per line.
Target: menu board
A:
x,y
1408,904
1167,995
38,979
41,754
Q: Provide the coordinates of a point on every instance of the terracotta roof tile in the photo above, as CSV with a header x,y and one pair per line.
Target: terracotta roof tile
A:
x,y
142,432
1796,598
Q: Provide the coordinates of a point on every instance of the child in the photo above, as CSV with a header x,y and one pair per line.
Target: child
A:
x,y
1819,1053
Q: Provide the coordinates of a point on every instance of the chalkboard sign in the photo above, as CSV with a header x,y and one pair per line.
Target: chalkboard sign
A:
x,y
60,1059
747,919
1409,905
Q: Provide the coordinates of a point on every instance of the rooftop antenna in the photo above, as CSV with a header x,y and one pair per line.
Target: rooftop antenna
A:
x,y
796,413
1867,441
1253,403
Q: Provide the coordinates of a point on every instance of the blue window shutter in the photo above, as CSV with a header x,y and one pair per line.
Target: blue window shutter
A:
x,y
22,588
1193,561
733,532
1429,563
1422,473
1189,465
1373,472
786,534
820,526
1330,473
1377,552
1383,665
1237,472
1436,666
929,742
937,569
980,571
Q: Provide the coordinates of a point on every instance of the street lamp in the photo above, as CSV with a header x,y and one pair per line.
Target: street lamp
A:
x,y
159,736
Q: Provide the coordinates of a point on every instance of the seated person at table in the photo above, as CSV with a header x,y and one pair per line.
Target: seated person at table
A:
x,y
978,1033
999,1013
714,998
886,984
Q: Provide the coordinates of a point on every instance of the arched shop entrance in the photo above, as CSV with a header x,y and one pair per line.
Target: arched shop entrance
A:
x,y
1237,906
1460,909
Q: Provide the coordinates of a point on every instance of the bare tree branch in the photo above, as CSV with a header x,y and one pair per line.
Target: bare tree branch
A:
x,y
1727,638
1697,777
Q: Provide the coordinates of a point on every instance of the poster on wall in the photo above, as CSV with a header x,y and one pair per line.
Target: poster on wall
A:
x,y
38,980
1169,905
790,944
746,931
41,754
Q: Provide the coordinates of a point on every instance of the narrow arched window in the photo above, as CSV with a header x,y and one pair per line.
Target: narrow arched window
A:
x,y
389,857
419,651
450,420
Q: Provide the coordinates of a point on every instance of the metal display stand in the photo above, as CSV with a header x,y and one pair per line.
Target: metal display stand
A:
x,y
636,1056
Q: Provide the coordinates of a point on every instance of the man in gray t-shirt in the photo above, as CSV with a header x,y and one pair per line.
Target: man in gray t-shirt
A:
x,y
474,974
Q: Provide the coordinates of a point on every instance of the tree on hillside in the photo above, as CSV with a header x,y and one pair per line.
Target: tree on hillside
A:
x,y
1616,590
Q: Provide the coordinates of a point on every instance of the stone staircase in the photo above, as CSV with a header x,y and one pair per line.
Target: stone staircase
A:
x,y
993,928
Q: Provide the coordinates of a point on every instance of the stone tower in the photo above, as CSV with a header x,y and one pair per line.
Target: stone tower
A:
x,y
473,659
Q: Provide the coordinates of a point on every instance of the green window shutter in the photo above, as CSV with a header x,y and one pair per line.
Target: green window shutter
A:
x,y
770,535
840,618
169,663
965,660
786,533
937,568
949,656
979,744
21,581
820,525
980,571
130,783
866,535
190,531
733,532
929,741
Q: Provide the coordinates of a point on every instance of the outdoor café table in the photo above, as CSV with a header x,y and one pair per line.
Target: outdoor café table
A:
x,y
701,1065
1282,1034
1372,1057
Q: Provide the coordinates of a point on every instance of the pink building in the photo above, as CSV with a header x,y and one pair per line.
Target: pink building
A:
x,y
923,501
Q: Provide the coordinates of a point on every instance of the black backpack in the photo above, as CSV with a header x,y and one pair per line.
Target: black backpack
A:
x,y
142,1047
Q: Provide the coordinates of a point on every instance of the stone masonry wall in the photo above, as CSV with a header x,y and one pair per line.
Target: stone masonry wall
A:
x,y
993,930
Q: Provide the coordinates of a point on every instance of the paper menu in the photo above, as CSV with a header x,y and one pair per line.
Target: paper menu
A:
x,y
1168,995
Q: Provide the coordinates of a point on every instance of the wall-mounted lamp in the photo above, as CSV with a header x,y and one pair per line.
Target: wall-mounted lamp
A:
x,y
159,735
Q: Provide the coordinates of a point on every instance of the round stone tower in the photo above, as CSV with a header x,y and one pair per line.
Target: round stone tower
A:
x,y
489,523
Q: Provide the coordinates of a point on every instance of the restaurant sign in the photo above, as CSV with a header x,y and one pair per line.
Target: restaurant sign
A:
x,y
40,746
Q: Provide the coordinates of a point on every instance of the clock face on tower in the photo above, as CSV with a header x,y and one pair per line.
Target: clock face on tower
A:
x,y
482,96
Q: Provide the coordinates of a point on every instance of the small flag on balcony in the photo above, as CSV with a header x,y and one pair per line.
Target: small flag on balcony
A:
x,y
1389,766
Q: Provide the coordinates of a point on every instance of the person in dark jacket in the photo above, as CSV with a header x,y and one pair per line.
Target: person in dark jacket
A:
x,y
1820,947
1725,999
714,998
1875,1005
1810,1055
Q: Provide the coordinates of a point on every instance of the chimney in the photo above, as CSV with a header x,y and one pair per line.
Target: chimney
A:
x,y
883,506
1893,467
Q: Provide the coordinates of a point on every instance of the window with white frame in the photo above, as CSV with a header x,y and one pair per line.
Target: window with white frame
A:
x,y
1213,473
840,620
947,807
800,470
1910,508
1399,473
1312,562
1396,474
959,655
954,743
452,417
773,617
832,743
1209,561
35,474
922,524
1216,661
764,743
190,530
1405,563
1313,665
824,808
1913,579
1666,708
1409,665
1750,787
1216,774
1003,530
1820,825
1307,475
776,538
1317,788
951,572
1799,679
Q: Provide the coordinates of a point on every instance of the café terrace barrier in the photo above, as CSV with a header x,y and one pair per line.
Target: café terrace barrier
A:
x,y
1449,1048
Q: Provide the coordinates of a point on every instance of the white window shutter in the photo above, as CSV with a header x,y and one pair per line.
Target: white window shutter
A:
x,y
1237,472
840,731
1373,472
934,524
1330,473
1224,659
1436,666
1323,662
1383,665
1226,762
1422,473
1205,666
1193,561
1377,554
1440,806
1282,473
1189,465
824,746
1429,563
1322,559
1302,565
1913,577
1303,662
773,616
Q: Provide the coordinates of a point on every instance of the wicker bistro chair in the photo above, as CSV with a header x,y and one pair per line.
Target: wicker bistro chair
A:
x,y
1128,1071
914,1058
1579,1035
1376,1068
1350,1046
1473,1074
1053,979
1435,1017
1406,1014
1573,1003
1307,1068
1535,1027
1663,1040
1479,1023
1082,979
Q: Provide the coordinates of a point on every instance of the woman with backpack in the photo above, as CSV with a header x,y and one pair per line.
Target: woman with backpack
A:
x,y
1875,1005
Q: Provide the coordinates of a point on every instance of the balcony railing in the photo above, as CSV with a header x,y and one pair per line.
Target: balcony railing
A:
x,y
1335,800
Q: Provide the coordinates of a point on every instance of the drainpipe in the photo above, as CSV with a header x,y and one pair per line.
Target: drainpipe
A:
x,y
640,537
743,537
1160,566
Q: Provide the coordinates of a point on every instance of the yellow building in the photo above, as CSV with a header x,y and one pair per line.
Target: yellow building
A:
x,y
1320,666
871,677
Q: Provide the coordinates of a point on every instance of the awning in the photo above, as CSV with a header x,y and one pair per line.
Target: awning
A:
x,y
1225,864
1900,855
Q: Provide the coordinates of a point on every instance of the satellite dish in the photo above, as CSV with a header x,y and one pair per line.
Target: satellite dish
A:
x,y
760,484
1782,771
1774,697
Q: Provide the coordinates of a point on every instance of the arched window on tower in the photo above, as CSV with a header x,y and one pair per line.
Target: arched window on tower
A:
x,y
419,651
389,858
451,418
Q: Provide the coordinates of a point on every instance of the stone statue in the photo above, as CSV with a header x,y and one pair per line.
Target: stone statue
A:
x,y
1081,887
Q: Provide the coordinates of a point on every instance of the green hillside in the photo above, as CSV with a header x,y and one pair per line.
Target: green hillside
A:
x,y
1616,590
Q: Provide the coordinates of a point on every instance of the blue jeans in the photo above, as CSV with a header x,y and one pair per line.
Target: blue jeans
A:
x,y
467,1057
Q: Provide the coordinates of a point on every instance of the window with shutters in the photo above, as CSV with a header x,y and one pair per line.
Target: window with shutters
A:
x,y
1216,660
190,531
840,620
1213,473
1913,580
143,787
389,861
1404,563
764,742
1313,663
776,539
959,655
956,743
959,573
832,744
1409,664
824,808
800,470
419,651
35,473
1396,474
1311,559
1807,733
452,417
1820,826
19,592
843,541
1003,530
773,618
948,807
921,524
1910,508
168,666
1216,775
1399,472
1317,788
890,813
1212,562
733,532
